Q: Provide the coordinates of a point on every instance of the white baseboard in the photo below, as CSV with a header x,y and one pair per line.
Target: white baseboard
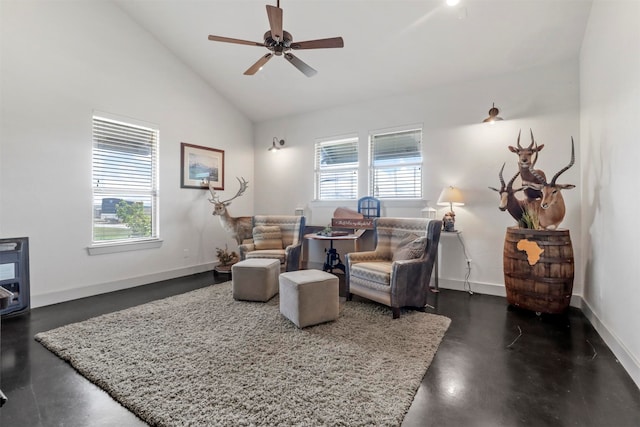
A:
x,y
630,363
481,288
102,288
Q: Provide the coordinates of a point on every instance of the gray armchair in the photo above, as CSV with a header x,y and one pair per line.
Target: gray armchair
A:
x,y
398,271
278,237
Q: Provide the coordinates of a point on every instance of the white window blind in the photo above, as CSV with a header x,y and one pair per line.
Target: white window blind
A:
x,y
395,170
124,174
336,169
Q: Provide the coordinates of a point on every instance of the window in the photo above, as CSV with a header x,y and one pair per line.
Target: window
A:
x,y
124,169
395,170
336,169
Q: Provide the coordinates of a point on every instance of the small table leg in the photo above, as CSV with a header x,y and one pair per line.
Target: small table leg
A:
x,y
333,260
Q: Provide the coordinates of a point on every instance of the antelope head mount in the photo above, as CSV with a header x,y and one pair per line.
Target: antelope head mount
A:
x,y
526,155
552,208
506,191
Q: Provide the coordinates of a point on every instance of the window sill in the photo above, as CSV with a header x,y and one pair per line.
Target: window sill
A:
x,y
111,248
410,203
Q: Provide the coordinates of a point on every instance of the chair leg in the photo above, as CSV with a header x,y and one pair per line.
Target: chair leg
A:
x,y
396,312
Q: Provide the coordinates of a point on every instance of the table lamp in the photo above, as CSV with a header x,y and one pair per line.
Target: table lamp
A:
x,y
450,196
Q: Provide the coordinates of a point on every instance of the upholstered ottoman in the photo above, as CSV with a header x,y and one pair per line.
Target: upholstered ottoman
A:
x,y
309,297
255,279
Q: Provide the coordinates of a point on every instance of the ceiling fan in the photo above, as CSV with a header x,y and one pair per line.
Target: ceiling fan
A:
x,y
280,42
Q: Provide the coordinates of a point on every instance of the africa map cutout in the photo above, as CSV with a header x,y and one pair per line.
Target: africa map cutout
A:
x,y
532,249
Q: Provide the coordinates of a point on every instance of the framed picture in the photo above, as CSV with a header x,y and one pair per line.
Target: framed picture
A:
x,y
199,165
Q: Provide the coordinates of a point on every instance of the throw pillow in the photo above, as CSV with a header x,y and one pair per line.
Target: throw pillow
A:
x,y
267,237
410,248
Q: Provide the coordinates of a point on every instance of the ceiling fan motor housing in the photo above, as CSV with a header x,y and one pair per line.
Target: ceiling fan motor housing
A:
x,y
278,47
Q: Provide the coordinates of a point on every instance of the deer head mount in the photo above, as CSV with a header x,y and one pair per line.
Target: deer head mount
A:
x,y
239,227
220,205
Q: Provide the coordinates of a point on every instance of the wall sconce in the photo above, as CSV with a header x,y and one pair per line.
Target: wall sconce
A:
x,y
274,148
493,115
450,196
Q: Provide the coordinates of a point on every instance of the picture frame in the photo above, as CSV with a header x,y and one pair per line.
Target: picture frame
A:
x,y
200,164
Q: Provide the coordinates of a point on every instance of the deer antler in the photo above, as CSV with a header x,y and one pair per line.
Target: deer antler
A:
x,y
243,187
214,197
564,169
518,143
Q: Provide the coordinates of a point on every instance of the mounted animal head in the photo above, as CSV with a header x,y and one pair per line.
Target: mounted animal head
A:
x,y
551,190
506,190
220,206
526,155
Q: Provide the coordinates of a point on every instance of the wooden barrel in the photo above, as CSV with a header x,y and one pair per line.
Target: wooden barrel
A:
x,y
538,269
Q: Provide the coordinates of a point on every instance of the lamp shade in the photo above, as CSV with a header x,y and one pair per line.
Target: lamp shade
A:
x,y
450,196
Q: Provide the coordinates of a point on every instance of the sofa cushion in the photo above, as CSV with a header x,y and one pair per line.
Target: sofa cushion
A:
x,y
278,254
376,275
267,237
411,247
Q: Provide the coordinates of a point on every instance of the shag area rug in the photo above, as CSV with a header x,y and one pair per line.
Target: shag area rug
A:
x,y
204,359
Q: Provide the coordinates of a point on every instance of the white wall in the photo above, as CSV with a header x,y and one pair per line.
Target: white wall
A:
x,y
60,61
610,116
458,150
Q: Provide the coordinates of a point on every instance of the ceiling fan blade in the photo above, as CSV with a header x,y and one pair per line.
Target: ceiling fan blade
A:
x,y
275,21
236,41
258,65
319,44
300,65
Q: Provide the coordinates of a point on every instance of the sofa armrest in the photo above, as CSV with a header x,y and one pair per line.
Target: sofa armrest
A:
x,y
292,256
244,248
410,281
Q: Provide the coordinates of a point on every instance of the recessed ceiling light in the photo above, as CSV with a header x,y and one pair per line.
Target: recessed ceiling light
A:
x,y
452,2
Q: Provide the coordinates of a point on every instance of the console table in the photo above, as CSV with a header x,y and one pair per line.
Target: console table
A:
x,y
444,236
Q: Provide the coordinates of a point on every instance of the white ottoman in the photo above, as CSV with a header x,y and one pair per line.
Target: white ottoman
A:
x,y
309,297
255,279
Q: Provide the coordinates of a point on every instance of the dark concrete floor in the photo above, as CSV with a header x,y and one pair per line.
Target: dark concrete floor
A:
x,y
495,367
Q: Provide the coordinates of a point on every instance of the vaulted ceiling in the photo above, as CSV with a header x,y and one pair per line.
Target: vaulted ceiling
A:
x,y
391,47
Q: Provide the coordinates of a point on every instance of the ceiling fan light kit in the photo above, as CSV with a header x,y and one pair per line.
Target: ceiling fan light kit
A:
x,y
280,42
